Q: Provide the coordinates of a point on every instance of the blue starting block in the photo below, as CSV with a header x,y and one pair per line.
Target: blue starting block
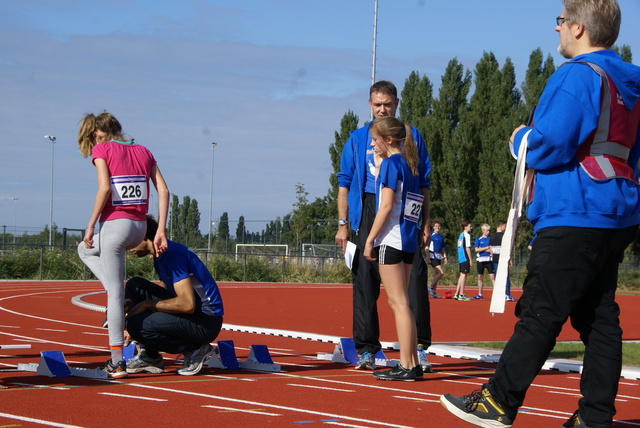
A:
x,y
224,357
129,351
260,360
53,364
345,352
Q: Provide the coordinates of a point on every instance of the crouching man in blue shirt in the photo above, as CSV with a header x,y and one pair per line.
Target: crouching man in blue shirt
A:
x,y
181,315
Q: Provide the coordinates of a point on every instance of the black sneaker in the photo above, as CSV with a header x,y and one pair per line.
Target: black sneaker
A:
x,y
575,421
399,373
478,408
116,370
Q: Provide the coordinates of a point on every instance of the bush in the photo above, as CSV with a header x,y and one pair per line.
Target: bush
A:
x,y
64,264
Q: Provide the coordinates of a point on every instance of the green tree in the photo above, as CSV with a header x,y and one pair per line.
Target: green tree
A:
x,y
300,217
241,230
440,127
536,78
348,123
222,233
625,52
174,227
495,163
192,223
416,100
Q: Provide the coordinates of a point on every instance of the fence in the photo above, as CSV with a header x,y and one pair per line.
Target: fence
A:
x,y
40,262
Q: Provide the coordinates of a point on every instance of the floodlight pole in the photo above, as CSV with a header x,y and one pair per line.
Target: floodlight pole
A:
x,y
15,219
53,141
375,44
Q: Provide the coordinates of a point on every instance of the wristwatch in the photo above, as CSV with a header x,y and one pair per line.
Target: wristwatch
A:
x,y
342,222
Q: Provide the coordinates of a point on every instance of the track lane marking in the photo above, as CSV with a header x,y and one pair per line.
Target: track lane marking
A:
x,y
272,406
232,409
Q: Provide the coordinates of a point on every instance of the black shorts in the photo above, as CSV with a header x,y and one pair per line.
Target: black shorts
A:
x,y
485,265
464,267
390,256
436,262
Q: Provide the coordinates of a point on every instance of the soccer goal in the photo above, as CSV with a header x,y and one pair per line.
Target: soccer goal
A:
x,y
262,249
321,250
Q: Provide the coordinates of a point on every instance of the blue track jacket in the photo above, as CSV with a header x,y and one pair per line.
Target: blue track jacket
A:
x,y
568,112
353,164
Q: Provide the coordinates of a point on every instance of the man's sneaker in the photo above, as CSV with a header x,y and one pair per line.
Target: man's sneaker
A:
x,y
399,373
367,361
509,298
478,408
423,362
478,297
116,370
142,363
463,298
194,360
575,421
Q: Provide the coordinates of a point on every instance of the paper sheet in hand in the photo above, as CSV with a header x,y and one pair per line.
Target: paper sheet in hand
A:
x,y
349,254
521,183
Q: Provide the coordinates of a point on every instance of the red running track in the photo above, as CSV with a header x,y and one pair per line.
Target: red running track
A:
x,y
308,391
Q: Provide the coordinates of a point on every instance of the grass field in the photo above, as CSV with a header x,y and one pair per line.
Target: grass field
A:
x,y
575,351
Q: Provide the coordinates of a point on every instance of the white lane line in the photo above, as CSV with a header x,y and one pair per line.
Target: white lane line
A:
x,y
37,421
72,345
341,424
137,397
320,387
51,329
416,399
42,318
31,385
351,384
232,409
272,406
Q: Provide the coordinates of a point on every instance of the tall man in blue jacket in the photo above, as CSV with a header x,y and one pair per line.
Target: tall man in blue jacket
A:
x,y
584,145
357,206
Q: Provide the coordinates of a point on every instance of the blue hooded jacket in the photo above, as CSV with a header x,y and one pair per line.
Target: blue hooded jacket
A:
x,y
353,164
567,113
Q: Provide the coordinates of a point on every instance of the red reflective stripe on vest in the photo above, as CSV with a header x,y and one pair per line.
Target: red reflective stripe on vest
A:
x,y
605,153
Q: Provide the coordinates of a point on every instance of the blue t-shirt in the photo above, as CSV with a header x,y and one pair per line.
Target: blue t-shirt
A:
x,y
481,242
464,242
370,168
401,229
436,246
178,263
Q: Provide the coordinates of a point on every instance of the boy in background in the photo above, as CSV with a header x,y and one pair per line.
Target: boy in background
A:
x,y
464,259
496,243
483,257
437,256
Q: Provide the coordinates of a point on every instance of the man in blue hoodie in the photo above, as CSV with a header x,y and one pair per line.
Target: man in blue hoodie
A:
x,y
584,145
357,206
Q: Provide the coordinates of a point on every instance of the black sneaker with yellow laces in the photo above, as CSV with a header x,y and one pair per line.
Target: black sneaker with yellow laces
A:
x,y
478,408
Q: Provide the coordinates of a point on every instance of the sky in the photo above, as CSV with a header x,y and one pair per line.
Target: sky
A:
x,y
267,80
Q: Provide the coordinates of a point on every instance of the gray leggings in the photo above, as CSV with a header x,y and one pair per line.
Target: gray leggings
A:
x,y
106,261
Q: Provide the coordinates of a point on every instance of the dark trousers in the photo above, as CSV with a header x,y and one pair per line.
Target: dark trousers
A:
x,y
572,272
164,332
366,290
